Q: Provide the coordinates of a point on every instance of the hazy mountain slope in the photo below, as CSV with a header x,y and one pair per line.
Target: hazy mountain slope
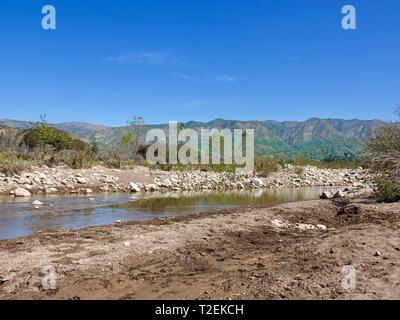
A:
x,y
80,129
359,129
15,123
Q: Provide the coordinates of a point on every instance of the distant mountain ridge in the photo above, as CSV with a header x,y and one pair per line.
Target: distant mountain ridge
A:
x,y
315,138
80,129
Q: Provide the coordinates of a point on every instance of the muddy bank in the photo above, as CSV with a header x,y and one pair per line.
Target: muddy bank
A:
x,y
63,180
230,254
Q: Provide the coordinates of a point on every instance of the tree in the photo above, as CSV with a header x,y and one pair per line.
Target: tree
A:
x,y
93,144
132,137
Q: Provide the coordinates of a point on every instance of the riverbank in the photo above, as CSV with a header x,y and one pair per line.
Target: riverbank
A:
x,y
290,251
63,180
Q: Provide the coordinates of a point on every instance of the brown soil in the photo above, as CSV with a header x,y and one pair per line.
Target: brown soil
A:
x,y
236,254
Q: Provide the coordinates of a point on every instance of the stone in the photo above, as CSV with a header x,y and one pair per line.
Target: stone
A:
x,y
50,190
127,243
20,192
339,194
377,254
134,187
87,191
258,182
81,180
151,187
24,180
37,203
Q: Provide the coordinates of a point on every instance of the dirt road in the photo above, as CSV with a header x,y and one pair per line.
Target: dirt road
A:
x,y
249,253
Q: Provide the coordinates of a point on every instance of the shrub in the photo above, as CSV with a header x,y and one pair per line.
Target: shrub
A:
x,y
264,166
44,135
79,145
382,153
75,159
10,138
11,164
388,191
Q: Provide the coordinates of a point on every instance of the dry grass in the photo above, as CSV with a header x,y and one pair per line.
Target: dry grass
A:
x,y
382,153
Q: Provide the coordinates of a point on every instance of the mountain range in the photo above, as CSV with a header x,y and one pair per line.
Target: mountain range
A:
x,y
314,138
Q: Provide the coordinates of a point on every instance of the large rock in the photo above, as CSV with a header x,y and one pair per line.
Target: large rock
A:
x,y
134,187
50,190
258,182
151,187
24,180
81,180
21,192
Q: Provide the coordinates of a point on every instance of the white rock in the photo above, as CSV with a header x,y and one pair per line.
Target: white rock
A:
x,y
304,226
339,194
24,180
20,192
151,187
134,187
50,190
81,180
127,243
37,203
258,182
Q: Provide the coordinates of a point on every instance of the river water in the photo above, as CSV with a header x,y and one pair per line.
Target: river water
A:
x,y
18,217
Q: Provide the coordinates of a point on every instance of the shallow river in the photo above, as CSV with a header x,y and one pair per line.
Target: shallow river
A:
x,y
18,217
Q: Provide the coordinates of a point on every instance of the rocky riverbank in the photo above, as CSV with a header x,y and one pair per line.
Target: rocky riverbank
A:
x,y
63,180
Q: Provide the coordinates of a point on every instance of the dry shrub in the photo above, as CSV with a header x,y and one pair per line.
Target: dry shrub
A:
x,y
265,166
10,164
382,153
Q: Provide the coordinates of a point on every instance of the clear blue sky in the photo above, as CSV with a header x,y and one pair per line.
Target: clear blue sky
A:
x,y
199,60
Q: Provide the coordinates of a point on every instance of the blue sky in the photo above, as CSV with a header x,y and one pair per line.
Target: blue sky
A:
x,y
199,60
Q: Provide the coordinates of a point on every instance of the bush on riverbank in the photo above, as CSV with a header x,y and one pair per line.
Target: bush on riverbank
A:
x,y
382,153
42,145
388,191
382,156
10,164
43,135
265,166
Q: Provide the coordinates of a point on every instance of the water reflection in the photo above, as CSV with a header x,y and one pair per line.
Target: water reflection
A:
x,y
19,218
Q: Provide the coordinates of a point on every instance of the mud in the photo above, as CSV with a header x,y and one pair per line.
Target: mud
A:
x,y
229,254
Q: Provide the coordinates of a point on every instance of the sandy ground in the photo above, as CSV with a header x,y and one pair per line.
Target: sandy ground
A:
x,y
235,254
